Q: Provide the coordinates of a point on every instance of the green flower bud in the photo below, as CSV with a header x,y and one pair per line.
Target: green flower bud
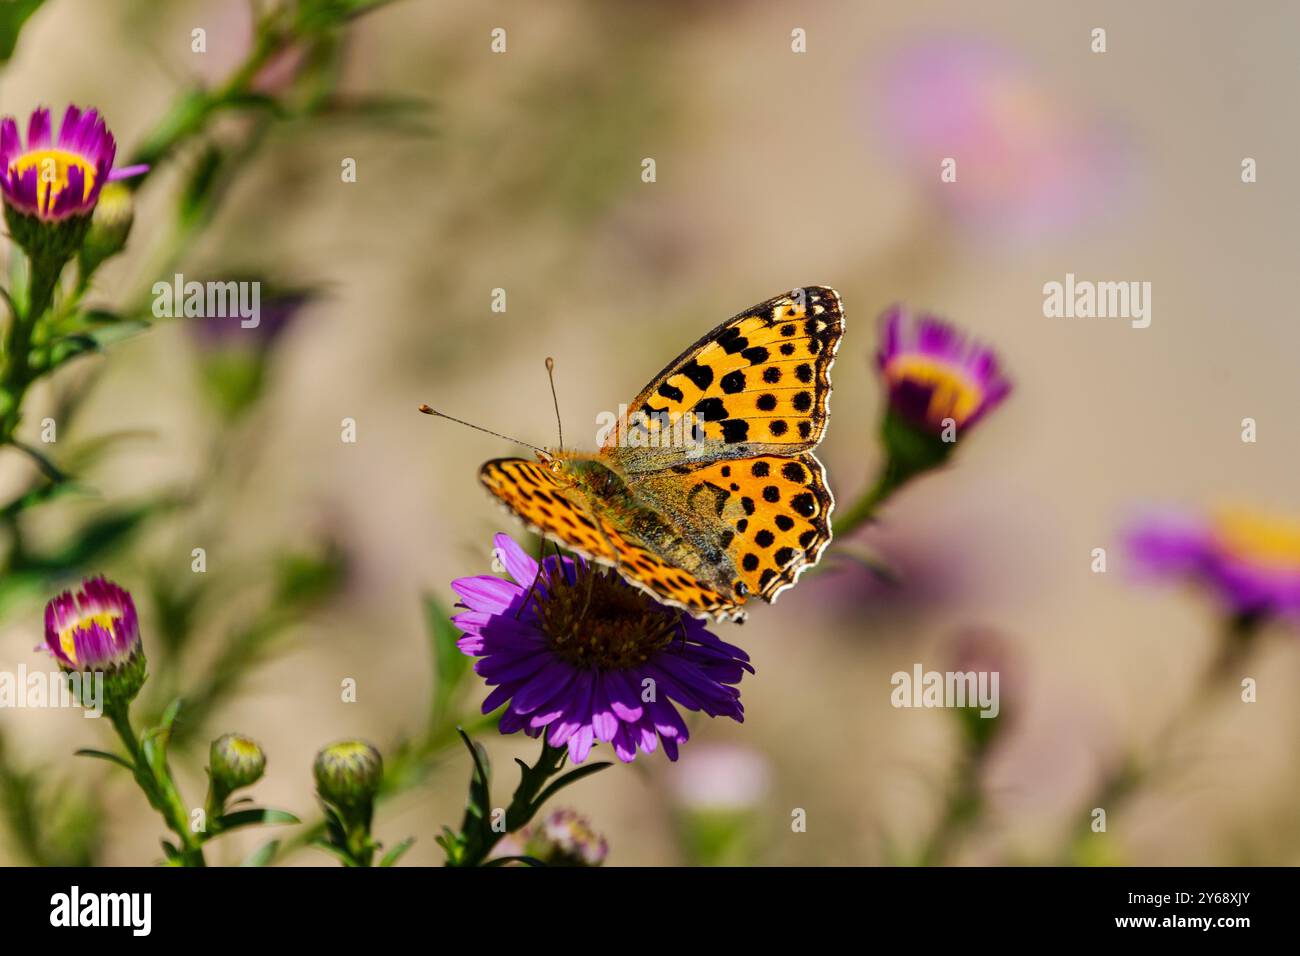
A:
x,y
235,761
348,773
110,225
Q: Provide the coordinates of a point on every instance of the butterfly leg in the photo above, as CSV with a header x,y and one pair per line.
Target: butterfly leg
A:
x,y
595,520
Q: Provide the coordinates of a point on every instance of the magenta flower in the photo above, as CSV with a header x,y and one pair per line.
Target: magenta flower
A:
x,y
932,372
94,630
588,658
1249,561
53,179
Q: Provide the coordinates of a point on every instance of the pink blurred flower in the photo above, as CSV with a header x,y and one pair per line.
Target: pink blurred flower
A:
x,y
1027,162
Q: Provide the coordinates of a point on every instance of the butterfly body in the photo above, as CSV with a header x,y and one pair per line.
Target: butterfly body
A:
x,y
735,510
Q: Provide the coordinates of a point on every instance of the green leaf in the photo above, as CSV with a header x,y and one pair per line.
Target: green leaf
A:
x,y
335,851
47,467
254,817
573,776
395,854
13,14
263,855
154,742
194,201
101,755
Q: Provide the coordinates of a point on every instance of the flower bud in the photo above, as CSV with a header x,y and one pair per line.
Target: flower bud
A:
x,y
565,838
235,761
938,384
97,631
348,773
110,225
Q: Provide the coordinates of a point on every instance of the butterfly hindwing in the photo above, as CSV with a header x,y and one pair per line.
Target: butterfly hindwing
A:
x,y
769,515
562,513
757,384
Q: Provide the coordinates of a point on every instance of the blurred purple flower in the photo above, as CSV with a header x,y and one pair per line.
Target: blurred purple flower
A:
x,y
933,372
277,313
1026,163
1248,560
588,658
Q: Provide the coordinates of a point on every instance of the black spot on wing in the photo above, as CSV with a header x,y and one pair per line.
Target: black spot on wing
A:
x,y
735,430
671,392
701,376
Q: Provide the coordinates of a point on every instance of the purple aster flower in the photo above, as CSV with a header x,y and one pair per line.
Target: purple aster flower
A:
x,y
933,372
54,178
588,658
1249,561
94,630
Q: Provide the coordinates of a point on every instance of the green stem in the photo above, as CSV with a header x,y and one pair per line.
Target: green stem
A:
x,y
868,503
43,278
1239,633
163,799
483,838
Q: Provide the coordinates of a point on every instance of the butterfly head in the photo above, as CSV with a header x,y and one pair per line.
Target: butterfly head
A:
x,y
575,469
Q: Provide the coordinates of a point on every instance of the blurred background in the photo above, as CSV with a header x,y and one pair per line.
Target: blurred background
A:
x,y
522,171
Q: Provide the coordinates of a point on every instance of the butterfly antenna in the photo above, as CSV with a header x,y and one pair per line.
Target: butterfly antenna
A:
x,y
550,373
430,410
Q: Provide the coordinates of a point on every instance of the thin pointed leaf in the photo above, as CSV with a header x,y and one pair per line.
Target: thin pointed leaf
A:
x,y
573,776
263,855
102,755
395,854
254,817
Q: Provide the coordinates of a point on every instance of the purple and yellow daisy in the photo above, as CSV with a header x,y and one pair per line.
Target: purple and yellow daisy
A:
x,y
54,178
1250,561
933,372
94,630
580,654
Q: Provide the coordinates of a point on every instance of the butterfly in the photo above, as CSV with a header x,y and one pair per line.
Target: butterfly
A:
x,y
707,493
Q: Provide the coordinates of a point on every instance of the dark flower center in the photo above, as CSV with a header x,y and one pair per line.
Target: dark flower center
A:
x,y
597,621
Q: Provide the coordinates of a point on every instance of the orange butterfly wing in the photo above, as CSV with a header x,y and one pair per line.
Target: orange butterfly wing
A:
x,y
562,513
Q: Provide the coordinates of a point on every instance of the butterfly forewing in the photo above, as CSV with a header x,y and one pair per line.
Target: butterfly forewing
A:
x,y
759,383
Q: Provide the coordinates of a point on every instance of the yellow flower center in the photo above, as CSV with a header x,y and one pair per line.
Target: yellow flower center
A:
x,y
242,746
67,636
1260,539
52,167
952,394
